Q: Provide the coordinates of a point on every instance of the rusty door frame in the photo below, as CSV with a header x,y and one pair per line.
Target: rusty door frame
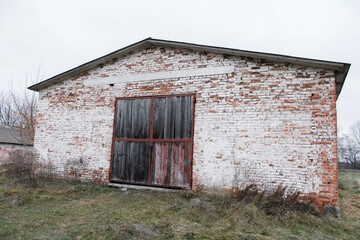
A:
x,y
151,140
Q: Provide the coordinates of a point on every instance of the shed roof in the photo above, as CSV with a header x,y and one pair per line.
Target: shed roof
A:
x,y
341,69
13,136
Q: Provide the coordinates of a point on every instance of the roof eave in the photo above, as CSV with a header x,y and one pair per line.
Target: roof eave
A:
x,y
340,77
89,65
341,69
259,55
17,143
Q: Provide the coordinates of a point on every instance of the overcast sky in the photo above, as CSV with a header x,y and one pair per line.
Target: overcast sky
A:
x,y
58,35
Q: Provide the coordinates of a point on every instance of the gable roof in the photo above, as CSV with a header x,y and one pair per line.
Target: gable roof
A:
x,y
13,136
341,69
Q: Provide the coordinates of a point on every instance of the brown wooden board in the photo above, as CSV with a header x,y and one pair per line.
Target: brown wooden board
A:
x,y
171,163
172,118
133,118
153,141
131,161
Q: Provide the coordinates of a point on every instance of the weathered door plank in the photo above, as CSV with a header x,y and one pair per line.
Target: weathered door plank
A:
x,y
141,158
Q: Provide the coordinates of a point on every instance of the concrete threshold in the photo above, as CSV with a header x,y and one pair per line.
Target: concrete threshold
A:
x,y
125,187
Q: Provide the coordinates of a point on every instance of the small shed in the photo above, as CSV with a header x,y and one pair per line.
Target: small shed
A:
x,y
11,139
179,115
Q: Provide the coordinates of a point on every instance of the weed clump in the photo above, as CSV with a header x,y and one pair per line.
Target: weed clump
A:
x,y
73,168
21,164
278,202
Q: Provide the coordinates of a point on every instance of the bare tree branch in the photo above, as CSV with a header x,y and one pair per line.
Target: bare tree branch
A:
x,y
349,147
18,110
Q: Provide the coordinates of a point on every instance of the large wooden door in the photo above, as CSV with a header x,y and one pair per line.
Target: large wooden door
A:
x,y
152,143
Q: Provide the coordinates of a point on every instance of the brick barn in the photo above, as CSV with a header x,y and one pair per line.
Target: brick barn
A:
x,y
179,115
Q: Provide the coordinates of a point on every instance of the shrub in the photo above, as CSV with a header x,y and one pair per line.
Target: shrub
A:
x,y
73,168
21,164
278,202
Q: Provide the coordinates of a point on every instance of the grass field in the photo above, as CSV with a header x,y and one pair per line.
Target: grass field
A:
x,y
53,209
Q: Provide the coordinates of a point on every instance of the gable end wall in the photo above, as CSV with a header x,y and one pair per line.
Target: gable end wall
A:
x,y
268,123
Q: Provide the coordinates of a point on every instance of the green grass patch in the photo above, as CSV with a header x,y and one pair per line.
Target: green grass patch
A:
x,y
52,209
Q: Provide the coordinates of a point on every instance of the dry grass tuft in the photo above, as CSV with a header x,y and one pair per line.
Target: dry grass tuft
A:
x,y
20,164
57,209
278,202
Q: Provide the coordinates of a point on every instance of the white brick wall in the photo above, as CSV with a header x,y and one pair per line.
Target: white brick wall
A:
x,y
268,123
